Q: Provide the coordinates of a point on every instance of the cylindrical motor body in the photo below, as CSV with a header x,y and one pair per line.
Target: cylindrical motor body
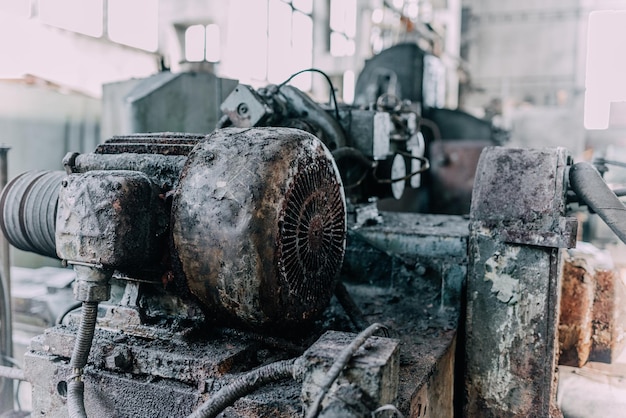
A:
x,y
258,224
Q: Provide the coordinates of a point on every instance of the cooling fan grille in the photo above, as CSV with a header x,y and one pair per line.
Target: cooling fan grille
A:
x,y
311,240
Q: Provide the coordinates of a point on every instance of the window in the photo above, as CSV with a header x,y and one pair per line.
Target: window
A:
x,y
20,8
270,40
134,23
86,15
348,84
202,43
290,41
342,27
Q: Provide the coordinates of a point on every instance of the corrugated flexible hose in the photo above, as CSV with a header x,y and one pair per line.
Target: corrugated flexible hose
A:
x,y
82,346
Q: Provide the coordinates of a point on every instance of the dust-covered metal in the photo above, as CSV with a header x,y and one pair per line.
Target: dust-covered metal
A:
x,y
258,224
110,218
163,143
513,283
378,151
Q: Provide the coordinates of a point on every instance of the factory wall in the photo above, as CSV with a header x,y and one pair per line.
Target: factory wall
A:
x,y
528,60
41,123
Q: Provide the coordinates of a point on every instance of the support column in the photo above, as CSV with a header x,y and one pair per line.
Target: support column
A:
x,y
6,330
517,227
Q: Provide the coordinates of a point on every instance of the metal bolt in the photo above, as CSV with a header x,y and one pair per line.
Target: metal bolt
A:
x,y
210,156
242,109
420,270
64,183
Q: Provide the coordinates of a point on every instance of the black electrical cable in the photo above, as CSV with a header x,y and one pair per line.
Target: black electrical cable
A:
x,y
59,319
330,84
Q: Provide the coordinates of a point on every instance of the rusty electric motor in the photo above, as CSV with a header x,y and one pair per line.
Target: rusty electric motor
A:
x,y
256,229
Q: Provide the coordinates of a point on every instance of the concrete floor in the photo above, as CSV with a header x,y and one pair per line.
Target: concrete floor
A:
x,y
595,390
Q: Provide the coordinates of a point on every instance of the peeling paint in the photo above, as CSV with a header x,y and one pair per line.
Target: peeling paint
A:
x,y
504,286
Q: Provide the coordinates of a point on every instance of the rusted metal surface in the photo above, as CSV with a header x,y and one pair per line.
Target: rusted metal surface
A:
x,y
163,370
609,316
435,399
435,246
513,288
109,218
258,224
577,298
164,170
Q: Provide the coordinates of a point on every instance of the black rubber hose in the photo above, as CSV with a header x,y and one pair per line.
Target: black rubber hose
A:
x,y
82,346
591,188
244,385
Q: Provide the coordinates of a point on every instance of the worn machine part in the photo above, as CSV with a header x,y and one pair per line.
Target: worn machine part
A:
x,y
166,143
333,135
517,228
110,218
340,363
258,224
367,363
164,169
588,184
29,208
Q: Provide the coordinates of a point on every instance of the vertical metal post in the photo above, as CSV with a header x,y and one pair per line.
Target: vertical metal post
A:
x,y
517,231
6,330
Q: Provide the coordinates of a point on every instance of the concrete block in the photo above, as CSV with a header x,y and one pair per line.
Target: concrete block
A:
x,y
374,368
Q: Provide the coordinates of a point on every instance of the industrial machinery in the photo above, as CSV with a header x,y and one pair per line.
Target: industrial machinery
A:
x,y
205,263
241,227
379,150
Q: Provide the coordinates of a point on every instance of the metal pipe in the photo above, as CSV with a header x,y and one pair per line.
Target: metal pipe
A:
x,y
590,187
12,373
6,321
